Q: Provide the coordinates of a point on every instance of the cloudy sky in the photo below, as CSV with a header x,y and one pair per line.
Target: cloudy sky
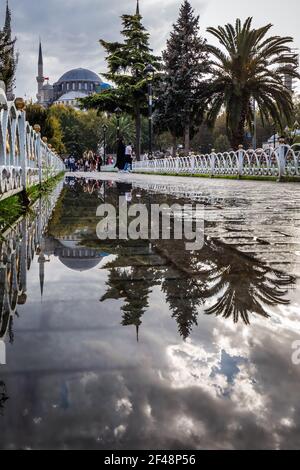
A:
x,y
70,30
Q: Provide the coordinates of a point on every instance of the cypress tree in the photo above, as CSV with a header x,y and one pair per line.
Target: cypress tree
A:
x,y
8,58
185,62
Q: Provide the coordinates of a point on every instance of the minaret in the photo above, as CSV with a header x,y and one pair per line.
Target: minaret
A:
x,y
42,261
40,78
138,8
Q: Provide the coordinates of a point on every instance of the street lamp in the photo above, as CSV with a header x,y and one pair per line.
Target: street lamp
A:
x,y
149,72
118,113
254,137
104,128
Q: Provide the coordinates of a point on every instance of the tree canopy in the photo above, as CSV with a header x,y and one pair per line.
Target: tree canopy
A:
x,y
185,63
70,131
250,66
126,63
8,57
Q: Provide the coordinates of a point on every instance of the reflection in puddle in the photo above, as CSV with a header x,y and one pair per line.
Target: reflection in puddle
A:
x,y
211,327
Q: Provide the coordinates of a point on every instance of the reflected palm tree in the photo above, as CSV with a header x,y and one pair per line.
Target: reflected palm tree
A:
x,y
236,285
243,286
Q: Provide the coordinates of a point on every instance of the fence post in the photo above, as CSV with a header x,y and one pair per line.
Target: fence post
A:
x,y
45,150
37,129
20,106
240,161
281,159
212,163
192,157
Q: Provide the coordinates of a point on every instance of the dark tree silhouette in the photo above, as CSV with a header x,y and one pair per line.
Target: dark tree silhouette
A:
x,y
184,295
134,289
3,396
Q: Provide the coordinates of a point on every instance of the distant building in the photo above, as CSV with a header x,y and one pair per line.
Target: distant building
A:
x,y
73,85
288,79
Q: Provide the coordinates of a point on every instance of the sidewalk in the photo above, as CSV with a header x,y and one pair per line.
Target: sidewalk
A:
x,y
259,219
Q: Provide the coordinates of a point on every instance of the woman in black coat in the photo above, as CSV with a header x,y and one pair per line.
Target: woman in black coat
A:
x,y
120,164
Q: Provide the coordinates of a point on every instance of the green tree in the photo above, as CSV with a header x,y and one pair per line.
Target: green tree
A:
x,y
127,130
180,108
221,143
37,114
8,57
50,125
297,110
203,141
81,130
251,66
164,141
126,63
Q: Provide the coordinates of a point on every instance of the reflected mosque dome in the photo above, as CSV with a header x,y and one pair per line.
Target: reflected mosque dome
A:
x,y
74,256
78,258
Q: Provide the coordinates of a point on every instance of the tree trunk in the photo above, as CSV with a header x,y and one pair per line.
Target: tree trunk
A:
x,y
138,125
174,146
238,135
187,139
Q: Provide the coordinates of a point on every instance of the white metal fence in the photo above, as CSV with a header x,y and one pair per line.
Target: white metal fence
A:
x,y
283,161
25,158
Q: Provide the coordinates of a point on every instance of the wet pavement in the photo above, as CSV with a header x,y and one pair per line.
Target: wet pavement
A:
x,y
258,218
142,344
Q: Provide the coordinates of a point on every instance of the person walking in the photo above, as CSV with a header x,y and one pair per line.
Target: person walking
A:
x,y
128,158
72,164
120,163
99,163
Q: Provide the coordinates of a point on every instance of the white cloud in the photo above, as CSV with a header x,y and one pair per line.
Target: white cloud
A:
x,y
70,30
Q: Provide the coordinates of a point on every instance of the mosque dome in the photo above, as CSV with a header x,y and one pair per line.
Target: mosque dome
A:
x,y
76,257
82,82
80,75
80,264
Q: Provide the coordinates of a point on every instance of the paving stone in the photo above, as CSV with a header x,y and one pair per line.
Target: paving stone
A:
x,y
258,218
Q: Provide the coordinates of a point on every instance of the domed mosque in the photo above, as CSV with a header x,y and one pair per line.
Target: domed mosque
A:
x,y
73,85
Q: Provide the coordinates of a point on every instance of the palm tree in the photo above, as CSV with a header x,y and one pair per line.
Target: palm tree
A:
x,y
251,68
127,130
